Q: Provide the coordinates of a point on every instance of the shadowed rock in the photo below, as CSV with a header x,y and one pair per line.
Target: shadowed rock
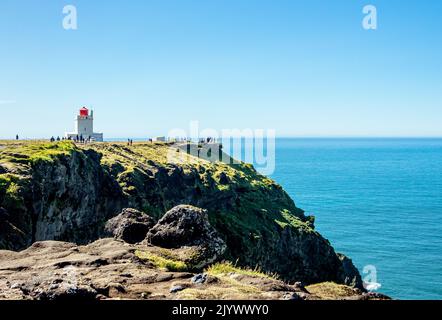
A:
x,y
130,225
3,214
188,226
350,274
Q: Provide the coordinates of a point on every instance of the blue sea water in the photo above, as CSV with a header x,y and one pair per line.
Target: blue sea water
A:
x,y
379,201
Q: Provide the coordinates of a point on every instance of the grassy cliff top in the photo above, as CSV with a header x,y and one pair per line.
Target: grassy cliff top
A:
x,y
133,163
66,191
131,157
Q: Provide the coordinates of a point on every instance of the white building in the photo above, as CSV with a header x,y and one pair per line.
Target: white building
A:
x,y
84,127
160,139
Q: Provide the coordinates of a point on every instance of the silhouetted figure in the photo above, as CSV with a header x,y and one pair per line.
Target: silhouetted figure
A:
x,y
16,137
52,139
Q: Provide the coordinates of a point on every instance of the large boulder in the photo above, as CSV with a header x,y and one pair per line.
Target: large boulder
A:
x,y
130,225
188,226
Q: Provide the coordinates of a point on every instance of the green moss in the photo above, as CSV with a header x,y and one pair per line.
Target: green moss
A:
x,y
225,268
49,151
161,262
294,221
5,181
281,223
330,291
222,187
10,192
36,151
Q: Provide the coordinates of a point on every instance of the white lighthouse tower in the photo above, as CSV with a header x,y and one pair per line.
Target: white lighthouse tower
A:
x,y
84,127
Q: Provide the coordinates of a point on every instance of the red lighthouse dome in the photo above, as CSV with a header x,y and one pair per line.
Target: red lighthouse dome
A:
x,y
84,112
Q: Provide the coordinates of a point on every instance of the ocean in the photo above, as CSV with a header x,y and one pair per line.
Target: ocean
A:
x,y
379,201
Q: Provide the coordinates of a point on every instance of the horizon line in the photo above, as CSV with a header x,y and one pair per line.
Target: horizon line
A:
x,y
246,137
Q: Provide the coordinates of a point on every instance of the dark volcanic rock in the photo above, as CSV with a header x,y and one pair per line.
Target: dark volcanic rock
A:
x,y
188,226
130,225
60,293
68,198
184,225
199,278
350,274
223,179
175,289
3,214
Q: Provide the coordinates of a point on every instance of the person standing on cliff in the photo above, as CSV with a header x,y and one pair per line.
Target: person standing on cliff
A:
x,y
16,137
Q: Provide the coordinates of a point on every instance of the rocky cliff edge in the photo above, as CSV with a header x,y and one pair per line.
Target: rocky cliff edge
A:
x,y
63,192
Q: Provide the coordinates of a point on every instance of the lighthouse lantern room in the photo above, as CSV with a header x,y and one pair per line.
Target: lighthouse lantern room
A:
x,y
84,112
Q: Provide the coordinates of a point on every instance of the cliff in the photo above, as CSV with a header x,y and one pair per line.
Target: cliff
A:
x,y
65,192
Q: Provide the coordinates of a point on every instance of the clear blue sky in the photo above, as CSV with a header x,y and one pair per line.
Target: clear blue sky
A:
x,y
304,68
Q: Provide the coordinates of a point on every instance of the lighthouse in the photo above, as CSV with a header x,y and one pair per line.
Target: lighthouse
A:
x,y
84,127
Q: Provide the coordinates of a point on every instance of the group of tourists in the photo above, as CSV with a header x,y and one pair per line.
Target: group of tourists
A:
x,y
76,139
